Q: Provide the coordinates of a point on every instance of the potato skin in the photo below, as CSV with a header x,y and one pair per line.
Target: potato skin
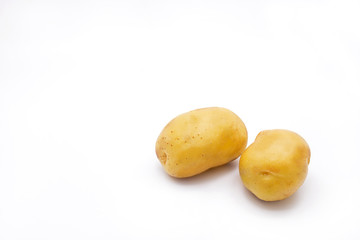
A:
x,y
200,139
275,165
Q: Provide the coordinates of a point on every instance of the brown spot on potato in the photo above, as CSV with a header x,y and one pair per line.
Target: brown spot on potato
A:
x,y
265,173
163,158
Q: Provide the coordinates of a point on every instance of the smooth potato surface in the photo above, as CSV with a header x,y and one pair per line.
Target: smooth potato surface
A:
x,y
201,139
275,165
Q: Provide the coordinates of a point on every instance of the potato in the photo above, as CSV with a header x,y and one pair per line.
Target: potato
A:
x,y
275,165
201,139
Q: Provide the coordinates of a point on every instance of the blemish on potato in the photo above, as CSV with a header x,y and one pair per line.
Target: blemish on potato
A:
x,y
265,173
163,158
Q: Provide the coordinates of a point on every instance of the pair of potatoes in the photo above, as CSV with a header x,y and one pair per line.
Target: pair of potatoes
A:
x,y
272,168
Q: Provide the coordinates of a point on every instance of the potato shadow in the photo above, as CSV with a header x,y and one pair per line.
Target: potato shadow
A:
x,y
280,205
209,175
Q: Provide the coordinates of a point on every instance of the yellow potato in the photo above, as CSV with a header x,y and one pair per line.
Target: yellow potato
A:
x,y
201,139
275,165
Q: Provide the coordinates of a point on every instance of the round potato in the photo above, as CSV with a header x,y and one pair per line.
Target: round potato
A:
x,y
275,165
201,139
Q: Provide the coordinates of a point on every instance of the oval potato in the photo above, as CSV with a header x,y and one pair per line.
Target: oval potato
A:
x,y
200,139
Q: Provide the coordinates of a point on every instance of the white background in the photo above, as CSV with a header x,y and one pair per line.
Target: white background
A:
x,y
87,86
